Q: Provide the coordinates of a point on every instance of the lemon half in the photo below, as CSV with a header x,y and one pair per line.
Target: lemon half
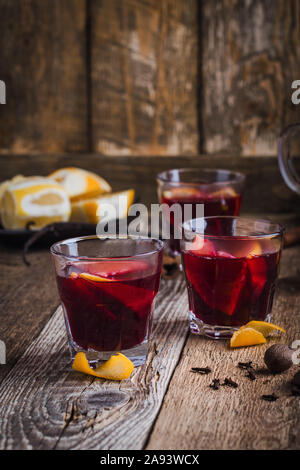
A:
x,y
38,200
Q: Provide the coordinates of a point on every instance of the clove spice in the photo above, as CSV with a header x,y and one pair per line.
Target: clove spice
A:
x,y
201,370
215,385
271,397
230,383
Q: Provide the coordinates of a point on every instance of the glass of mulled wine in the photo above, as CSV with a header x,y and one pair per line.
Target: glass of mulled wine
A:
x,y
208,192
107,289
231,266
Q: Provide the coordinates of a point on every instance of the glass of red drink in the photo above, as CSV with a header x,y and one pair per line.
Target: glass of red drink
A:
x,y
231,266
220,191
107,289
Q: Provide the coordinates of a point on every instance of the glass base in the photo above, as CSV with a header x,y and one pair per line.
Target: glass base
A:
x,y
137,355
198,327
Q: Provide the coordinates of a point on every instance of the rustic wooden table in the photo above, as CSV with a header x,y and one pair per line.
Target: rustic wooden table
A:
x,y
45,405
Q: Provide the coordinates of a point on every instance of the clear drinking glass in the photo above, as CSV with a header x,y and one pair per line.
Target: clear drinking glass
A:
x,y
107,289
219,190
231,266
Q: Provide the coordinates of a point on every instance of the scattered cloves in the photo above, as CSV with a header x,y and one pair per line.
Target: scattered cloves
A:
x,y
215,385
230,383
250,374
271,397
245,365
201,370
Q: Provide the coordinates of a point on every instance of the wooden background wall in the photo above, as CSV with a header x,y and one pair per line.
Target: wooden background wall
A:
x,y
140,77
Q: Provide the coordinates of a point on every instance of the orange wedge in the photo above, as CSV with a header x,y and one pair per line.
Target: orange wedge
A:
x,y
246,337
89,209
118,367
263,327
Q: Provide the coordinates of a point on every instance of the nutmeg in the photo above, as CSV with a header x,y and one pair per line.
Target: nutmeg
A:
x,y
278,358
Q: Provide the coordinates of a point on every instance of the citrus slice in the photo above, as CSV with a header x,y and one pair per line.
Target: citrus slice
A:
x,y
118,367
225,192
5,184
89,210
263,327
114,268
91,277
34,199
80,183
207,279
202,246
246,337
182,192
247,249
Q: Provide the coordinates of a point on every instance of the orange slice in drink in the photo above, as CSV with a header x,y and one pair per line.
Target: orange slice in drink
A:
x,y
202,246
91,277
109,270
118,367
182,192
225,192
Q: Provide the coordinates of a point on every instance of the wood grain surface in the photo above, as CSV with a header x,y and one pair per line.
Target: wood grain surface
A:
x,y
42,62
102,75
148,77
144,77
250,57
28,299
235,418
44,405
164,405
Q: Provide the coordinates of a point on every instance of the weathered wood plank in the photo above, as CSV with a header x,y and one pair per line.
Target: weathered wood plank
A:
x,y
265,192
234,418
28,298
42,62
144,77
45,406
250,57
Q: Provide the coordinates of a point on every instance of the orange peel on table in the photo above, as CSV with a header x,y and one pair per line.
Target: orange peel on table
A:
x,y
246,337
118,367
263,327
254,332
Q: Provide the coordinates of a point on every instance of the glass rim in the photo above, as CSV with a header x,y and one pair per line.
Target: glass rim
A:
x,y
238,177
274,233
54,251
